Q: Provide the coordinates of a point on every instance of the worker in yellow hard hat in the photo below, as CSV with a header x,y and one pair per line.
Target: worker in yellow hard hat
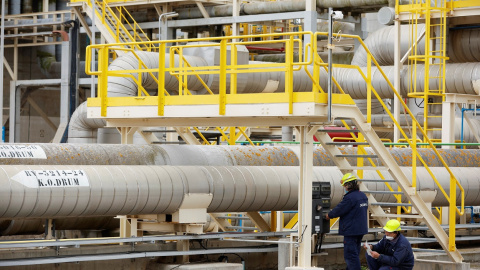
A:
x,y
352,211
393,251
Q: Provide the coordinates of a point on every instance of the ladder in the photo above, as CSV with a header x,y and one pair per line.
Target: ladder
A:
x,y
434,13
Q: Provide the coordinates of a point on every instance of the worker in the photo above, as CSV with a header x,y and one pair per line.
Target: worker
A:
x,y
352,211
393,252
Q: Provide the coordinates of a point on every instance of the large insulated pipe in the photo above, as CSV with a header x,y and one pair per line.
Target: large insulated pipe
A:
x,y
14,7
36,226
81,191
350,79
338,57
381,43
254,8
460,79
84,130
198,155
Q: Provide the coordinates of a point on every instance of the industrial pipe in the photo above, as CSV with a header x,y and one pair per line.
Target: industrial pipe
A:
x,y
381,44
197,155
81,191
255,8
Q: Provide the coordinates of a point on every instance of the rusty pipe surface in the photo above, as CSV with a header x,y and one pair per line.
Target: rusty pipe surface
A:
x,y
108,154
82,191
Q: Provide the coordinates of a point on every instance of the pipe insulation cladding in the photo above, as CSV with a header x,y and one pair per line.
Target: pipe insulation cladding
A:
x,y
255,8
462,45
193,155
461,78
81,191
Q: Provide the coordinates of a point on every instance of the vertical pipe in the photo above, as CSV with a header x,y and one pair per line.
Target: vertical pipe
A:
x,y
461,131
329,46
287,134
397,68
2,48
92,42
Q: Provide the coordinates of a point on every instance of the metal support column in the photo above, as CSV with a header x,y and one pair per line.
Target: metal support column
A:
x,y
305,195
14,119
2,59
448,124
127,134
92,42
330,63
235,13
310,21
65,83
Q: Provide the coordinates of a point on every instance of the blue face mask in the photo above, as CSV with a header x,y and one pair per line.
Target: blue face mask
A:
x,y
345,191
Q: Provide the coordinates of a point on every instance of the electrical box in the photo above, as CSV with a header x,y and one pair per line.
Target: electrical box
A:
x,y
320,207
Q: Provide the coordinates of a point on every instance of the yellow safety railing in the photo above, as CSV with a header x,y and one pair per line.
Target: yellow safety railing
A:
x,y
183,71
416,127
115,25
228,66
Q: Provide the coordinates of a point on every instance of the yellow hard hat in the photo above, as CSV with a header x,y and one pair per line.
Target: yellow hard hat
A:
x,y
392,225
347,178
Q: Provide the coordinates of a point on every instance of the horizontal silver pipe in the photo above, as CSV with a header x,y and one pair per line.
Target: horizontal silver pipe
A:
x,y
459,78
381,43
193,155
81,191
36,226
255,8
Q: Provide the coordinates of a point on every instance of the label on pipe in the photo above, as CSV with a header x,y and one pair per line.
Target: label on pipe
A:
x,y
52,178
22,151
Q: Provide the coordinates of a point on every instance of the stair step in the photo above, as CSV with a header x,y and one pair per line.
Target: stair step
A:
x,y
348,143
391,204
399,216
382,192
377,180
242,228
233,217
339,130
369,168
357,156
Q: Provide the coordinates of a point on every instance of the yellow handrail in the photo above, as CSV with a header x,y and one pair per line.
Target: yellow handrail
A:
x,y
225,68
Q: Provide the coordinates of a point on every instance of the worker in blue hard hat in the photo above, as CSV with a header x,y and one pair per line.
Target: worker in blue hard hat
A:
x,y
352,211
393,251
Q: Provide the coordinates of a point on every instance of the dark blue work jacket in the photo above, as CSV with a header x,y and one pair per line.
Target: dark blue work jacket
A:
x,y
352,211
395,253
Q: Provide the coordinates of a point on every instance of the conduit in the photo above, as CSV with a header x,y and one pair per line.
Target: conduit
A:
x,y
135,190
197,155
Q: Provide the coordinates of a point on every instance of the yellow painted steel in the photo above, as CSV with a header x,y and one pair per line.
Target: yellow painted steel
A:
x,y
292,222
434,15
451,5
223,98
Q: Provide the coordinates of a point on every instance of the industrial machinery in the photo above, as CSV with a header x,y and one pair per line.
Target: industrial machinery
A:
x,y
97,173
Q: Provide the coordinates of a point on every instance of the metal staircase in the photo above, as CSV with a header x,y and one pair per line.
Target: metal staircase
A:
x,y
389,165
367,136
118,26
